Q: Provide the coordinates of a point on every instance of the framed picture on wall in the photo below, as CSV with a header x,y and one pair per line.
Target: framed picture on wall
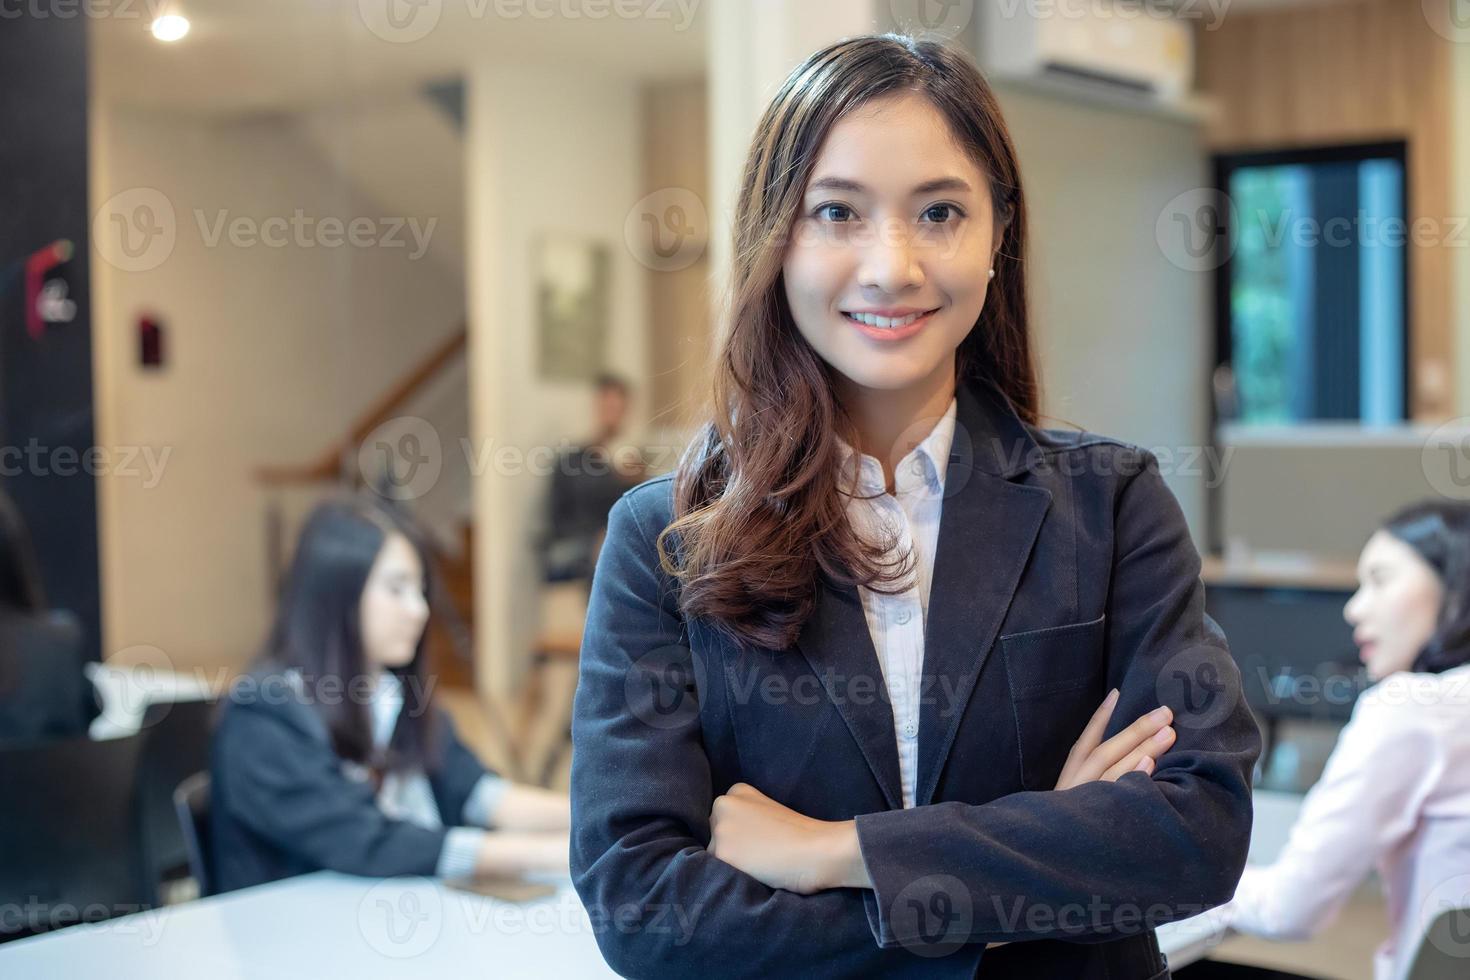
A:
x,y
572,277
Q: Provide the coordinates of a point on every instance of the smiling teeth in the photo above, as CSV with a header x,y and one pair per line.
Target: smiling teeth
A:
x,y
884,322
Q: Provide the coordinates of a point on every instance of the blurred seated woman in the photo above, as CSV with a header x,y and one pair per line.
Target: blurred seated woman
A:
x,y
1395,793
43,691
330,754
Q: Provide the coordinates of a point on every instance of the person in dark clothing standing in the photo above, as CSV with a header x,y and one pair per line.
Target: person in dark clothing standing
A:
x,y
588,480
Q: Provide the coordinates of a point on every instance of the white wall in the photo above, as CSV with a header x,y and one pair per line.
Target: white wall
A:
x,y
548,151
1123,335
271,353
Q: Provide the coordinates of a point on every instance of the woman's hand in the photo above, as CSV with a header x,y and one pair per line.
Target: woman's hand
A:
x,y
1135,747
511,853
532,808
782,848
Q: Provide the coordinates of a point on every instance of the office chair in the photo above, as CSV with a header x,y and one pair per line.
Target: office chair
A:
x,y
1443,953
175,746
191,803
69,828
44,693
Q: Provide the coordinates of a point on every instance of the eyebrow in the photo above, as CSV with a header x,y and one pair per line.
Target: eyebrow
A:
x,y
927,187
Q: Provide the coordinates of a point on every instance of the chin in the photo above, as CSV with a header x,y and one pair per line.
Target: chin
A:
x,y
1378,669
885,370
399,660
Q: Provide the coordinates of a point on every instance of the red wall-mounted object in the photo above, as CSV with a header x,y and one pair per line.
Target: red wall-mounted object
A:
x,y
38,264
150,341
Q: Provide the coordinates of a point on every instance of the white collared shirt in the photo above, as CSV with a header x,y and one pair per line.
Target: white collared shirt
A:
x,y
409,795
896,622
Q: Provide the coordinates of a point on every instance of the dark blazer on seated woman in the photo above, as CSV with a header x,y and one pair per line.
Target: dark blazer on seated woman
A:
x,y
1064,568
283,802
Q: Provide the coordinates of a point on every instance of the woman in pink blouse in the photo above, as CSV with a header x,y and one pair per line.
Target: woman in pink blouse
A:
x,y
1395,794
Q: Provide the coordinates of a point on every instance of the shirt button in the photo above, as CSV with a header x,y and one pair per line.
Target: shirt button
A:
x,y
910,730
903,617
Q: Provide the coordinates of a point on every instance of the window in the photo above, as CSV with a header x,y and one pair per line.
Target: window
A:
x,y
1311,303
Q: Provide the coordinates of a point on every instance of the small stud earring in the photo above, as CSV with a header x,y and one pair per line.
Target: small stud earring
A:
x,y
992,273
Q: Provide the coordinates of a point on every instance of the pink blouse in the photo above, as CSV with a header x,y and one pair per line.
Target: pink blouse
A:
x,y
1395,795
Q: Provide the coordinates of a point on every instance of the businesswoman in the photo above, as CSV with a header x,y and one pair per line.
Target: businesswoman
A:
x,y
1395,793
330,753
834,665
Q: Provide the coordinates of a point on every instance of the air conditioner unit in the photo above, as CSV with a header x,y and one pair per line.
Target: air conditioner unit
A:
x,y
1128,47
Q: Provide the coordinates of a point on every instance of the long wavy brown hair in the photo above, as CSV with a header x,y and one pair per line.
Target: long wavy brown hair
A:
x,y
758,512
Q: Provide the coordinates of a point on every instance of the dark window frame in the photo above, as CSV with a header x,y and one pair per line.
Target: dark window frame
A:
x,y
1226,164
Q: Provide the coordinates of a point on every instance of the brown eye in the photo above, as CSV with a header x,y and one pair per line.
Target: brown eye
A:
x,y
835,212
943,211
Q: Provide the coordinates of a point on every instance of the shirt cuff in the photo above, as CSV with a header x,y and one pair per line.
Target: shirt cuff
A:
x,y
461,850
479,809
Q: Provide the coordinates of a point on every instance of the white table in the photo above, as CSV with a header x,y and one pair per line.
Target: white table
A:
x,y
325,925
1191,939
332,925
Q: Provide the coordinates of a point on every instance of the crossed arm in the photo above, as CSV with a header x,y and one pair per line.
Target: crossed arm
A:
x,y
786,849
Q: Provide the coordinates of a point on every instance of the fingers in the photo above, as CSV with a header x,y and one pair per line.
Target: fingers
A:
x,y
1092,735
1121,745
1142,758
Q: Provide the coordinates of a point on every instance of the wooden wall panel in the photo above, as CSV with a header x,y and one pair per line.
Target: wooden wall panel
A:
x,y
1352,72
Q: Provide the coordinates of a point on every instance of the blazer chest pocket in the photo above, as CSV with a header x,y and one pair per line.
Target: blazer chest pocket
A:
x,y
1056,678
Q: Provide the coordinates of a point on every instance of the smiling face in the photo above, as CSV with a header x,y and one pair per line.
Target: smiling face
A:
x,y
1396,609
888,266
393,609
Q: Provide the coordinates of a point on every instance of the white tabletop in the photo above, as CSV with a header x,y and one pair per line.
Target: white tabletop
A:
x,y
325,925
329,925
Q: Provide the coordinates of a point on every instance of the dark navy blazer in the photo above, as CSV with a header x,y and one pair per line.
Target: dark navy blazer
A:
x,y
1064,568
283,803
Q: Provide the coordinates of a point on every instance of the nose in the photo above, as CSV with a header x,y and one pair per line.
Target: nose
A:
x,y
890,264
1353,611
419,607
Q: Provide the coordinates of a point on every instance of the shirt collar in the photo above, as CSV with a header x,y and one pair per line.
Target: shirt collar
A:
x,y
387,701
924,467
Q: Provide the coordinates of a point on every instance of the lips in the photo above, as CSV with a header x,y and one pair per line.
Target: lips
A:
x,y
889,328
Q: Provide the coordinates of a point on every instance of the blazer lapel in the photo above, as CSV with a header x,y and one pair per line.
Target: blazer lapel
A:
x,y
836,644
987,528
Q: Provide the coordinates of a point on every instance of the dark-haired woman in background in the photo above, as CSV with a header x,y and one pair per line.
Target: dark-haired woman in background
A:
x,y
43,691
330,753
1395,793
